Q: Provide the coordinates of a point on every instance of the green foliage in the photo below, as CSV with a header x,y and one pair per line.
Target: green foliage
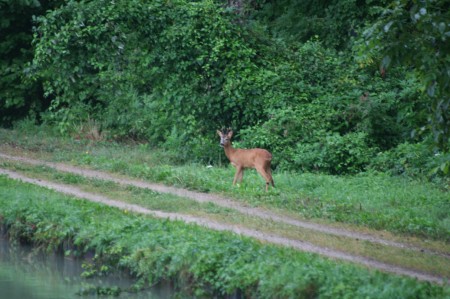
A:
x,y
405,158
414,160
183,147
214,77
335,22
416,33
349,107
388,110
171,73
288,127
334,153
183,61
19,97
197,261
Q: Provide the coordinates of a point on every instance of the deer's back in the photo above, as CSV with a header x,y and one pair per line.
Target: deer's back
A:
x,y
250,157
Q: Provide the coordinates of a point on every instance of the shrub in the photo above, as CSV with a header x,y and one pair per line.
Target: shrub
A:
x,y
335,154
412,159
19,96
171,73
141,68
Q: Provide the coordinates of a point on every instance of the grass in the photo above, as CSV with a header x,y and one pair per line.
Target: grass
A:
x,y
425,262
201,262
373,200
144,197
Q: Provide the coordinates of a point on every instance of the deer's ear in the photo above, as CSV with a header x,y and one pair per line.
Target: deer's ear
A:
x,y
230,133
219,133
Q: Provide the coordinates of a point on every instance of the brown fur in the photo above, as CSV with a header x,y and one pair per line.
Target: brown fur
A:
x,y
256,158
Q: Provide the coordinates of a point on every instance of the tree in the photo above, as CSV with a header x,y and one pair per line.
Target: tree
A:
x,y
416,34
19,96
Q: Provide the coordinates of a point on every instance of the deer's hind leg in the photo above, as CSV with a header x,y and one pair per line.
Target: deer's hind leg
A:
x,y
267,176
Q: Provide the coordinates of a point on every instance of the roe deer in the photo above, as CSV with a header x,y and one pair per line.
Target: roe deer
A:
x,y
247,158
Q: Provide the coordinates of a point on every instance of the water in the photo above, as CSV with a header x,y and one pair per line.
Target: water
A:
x,y
27,275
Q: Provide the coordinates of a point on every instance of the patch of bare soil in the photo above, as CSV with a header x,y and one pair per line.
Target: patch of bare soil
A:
x,y
223,202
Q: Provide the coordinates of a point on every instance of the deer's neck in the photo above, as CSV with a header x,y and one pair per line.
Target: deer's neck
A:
x,y
229,151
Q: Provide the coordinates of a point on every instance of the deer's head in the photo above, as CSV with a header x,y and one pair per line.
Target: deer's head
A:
x,y
225,137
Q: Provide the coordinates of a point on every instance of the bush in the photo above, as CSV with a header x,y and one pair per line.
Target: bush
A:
x,y
334,154
413,160
142,68
286,127
301,139
334,21
19,96
185,147
171,73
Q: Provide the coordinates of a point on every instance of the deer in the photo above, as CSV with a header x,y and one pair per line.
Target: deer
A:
x,y
256,158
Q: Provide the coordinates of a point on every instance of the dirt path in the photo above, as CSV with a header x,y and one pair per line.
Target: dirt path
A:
x,y
221,201
216,199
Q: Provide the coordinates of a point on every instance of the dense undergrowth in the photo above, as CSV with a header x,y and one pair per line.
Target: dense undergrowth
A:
x,y
294,77
199,262
375,200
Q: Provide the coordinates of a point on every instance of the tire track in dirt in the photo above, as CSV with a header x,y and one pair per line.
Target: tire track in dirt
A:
x,y
218,200
270,238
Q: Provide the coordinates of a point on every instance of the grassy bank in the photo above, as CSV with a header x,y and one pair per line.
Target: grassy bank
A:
x,y
431,258
373,200
196,260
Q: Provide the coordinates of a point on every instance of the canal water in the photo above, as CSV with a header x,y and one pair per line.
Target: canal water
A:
x,y
27,275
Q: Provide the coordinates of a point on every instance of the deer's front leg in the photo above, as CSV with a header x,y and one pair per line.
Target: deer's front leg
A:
x,y
238,174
